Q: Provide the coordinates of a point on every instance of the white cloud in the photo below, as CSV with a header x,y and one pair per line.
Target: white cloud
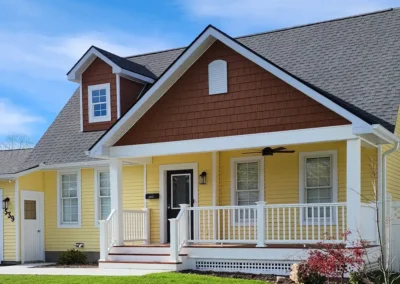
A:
x,y
239,15
14,119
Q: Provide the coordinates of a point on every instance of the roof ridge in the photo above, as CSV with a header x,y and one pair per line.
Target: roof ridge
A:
x,y
276,30
154,52
320,22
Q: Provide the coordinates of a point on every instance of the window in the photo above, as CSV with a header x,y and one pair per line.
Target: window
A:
x,y
69,200
217,77
99,103
247,181
103,195
318,176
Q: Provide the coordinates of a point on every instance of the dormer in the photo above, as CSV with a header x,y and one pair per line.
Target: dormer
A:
x,y
109,86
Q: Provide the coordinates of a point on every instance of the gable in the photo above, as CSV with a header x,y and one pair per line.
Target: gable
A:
x,y
256,102
98,72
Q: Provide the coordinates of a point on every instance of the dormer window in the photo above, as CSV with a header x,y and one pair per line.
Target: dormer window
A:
x,y
217,77
99,103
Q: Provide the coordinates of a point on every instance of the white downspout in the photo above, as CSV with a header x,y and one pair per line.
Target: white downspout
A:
x,y
383,197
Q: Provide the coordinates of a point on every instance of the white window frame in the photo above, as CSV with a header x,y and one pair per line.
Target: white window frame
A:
x,y
97,194
302,193
92,88
217,77
234,162
60,224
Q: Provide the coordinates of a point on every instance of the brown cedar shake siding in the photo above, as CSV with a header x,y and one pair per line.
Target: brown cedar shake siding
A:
x,y
256,102
98,72
129,92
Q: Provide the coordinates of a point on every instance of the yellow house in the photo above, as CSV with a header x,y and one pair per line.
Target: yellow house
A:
x,y
211,157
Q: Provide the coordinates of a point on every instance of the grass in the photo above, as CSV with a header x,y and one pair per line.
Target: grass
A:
x,y
147,279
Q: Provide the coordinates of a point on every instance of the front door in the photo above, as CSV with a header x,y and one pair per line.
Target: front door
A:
x,y
32,226
179,191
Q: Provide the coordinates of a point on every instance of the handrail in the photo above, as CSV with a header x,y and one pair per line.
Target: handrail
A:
x,y
107,234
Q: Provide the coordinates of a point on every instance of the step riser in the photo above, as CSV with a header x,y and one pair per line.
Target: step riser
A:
x,y
151,258
141,250
141,266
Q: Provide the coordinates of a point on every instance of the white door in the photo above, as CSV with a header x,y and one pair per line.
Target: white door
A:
x,y
32,227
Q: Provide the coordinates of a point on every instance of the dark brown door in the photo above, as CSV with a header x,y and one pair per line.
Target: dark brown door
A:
x,y
179,191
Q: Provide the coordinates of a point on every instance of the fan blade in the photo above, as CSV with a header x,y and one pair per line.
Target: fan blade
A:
x,y
252,152
289,151
279,149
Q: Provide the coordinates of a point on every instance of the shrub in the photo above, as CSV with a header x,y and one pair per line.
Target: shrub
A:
x,y
307,275
72,257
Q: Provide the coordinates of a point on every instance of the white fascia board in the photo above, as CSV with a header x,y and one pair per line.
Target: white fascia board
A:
x,y
271,139
385,134
80,67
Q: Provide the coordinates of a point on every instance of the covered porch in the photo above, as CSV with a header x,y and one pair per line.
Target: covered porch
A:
x,y
288,200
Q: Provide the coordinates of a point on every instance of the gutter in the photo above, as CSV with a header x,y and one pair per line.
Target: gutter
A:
x,y
383,197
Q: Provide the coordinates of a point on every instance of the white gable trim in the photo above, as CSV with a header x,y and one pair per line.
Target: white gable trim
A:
x,y
187,58
87,59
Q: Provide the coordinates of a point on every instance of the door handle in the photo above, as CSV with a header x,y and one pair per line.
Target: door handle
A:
x,y
38,231
169,206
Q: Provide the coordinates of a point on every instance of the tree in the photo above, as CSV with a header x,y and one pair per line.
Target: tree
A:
x,y
16,141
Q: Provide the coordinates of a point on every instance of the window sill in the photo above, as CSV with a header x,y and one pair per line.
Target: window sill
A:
x,y
99,119
69,226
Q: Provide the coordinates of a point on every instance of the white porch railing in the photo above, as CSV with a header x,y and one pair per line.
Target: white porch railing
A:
x,y
136,225
179,230
107,234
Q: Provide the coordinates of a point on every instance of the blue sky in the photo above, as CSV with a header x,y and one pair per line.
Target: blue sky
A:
x,y
41,40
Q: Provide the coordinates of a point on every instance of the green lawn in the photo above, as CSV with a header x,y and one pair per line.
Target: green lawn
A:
x,y
151,278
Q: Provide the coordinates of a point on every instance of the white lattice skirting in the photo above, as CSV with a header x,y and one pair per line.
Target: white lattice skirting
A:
x,y
246,266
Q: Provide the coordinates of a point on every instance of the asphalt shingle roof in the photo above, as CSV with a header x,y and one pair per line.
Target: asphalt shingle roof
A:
x,y
10,160
354,60
127,64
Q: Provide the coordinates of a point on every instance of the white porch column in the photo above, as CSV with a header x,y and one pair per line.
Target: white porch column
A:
x,y
116,198
353,188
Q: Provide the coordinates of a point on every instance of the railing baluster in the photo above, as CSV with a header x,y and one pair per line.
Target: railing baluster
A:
x,y
273,223
279,225
343,224
290,224
295,223
284,223
229,224
208,224
223,222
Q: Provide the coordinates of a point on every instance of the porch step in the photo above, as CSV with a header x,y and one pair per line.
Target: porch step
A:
x,y
143,265
138,257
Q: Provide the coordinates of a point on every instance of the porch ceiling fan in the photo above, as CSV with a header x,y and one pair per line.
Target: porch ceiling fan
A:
x,y
268,151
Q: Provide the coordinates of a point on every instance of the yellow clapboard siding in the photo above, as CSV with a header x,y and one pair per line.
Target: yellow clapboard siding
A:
x,y
8,226
393,166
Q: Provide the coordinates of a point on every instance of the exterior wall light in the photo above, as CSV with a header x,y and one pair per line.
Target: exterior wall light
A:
x,y
203,178
5,208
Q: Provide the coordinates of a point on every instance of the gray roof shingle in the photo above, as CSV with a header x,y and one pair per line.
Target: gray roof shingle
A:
x,y
355,61
11,160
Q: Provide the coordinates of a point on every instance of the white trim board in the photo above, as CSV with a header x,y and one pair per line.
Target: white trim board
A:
x,y
271,139
190,55
17,221
87,59
32,194
163,191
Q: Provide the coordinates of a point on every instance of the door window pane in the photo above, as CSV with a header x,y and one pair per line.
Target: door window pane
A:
x,y
30,209
181,190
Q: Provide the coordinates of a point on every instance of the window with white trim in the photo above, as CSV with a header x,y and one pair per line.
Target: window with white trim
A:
x,y
103,195
318,182
69,199
218,77
248,183
99,103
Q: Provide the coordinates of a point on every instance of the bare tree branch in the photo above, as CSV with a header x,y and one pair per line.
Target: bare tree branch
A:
x,y
15,142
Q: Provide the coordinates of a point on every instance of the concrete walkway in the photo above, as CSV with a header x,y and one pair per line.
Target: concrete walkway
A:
x,y
36,269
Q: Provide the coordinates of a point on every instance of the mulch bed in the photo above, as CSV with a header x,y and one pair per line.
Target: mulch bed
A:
x,y
238,275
